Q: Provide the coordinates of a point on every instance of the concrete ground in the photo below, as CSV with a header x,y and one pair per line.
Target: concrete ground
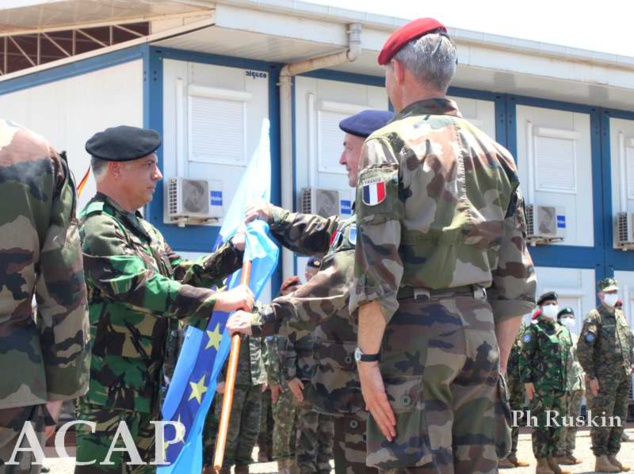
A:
x,y
626,456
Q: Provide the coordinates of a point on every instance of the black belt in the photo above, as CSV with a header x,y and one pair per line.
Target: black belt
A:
x,y
424,294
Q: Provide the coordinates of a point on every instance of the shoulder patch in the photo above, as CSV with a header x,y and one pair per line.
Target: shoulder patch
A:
x,y
590,338
352,234
526,338
373,191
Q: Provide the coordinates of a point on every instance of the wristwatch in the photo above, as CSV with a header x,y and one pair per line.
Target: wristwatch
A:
x,y
359,356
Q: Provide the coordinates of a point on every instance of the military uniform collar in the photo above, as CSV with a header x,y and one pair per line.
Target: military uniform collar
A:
x,y
132,219
437,106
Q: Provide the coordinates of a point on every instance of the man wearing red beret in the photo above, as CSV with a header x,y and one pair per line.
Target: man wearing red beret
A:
x,y
442,271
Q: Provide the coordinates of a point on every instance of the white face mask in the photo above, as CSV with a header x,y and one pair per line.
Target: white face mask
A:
x,y
568,322
550,311
610,299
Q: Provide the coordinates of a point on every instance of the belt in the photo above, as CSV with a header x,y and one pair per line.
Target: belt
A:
x,y
423,294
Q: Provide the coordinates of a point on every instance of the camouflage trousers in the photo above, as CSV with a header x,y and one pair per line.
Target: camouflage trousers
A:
x,y
94,446
516,401
12,421
265,436
210,433
569,433
285,429
350,448
243,425
611,402
313,447
440,361
546,411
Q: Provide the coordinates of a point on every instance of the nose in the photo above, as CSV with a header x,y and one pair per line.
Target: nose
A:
x,y
342,158
157,174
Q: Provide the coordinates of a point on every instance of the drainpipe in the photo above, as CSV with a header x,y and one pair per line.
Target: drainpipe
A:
x,y
286,118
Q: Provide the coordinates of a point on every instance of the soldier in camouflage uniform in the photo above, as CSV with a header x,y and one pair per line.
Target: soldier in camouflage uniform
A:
x,y
546,349
442,272
321,305
244,423
43,349
516,400
136,282
605,352
575,392
265,435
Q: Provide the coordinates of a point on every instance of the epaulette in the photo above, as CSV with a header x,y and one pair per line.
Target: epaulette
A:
x,y
92,208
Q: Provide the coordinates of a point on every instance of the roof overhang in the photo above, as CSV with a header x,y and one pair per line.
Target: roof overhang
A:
x,y
293,31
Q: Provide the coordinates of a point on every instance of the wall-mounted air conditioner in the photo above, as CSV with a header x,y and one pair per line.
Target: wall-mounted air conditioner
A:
x,y
625,230
323,202
545,224
193,201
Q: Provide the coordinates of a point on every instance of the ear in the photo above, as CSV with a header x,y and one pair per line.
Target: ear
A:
x,y
399,71
114,168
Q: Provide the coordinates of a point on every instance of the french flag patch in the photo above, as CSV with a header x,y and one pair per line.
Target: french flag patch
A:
x,y
373,191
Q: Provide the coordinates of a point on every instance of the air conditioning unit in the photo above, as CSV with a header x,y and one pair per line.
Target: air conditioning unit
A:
x,y
193,201
625,230
545,224
323,202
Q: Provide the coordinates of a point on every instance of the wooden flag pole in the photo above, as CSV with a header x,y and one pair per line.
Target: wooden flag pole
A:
x,y
230,382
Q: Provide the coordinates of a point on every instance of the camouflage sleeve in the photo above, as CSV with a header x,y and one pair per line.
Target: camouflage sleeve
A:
x,y
61,297
527,352
307,234
586,343
112,267
272,361
209,270
288,361
297,314
512,293
378,266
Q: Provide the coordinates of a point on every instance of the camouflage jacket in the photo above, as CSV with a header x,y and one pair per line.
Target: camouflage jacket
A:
x,y
438,206
544,356
299,360
251,370
605,344
320,306
43,352
275,349
576,377
135,283
513,364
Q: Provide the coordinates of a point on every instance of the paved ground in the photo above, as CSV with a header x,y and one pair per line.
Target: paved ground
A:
x,y
66,465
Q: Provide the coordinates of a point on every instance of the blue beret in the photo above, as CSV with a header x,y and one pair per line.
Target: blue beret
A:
x,y
548,296
365,123
123,143
313,262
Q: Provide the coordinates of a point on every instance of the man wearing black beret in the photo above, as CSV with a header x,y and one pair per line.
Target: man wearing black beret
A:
x,y
136,286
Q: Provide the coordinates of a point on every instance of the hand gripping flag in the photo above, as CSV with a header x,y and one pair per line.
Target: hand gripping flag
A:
x,y
203,353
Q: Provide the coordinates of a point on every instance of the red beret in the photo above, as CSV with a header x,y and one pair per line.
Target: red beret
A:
x,y
406,33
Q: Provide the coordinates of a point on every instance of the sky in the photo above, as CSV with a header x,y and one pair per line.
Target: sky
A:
x,y
606,27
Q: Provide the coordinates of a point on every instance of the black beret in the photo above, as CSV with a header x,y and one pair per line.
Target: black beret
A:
x,y
566,310
549,295
123,143
365,123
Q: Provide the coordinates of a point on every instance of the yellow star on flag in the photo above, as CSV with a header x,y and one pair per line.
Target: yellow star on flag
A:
x,y
214,338
198,389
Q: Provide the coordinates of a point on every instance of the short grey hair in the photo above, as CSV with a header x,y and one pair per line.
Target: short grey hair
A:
x,y
99,167
431,59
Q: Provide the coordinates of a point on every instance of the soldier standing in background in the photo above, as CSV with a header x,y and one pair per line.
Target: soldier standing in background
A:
x,y
517,396
605,352
546,347
323,302
442,273
43,350
575,391
136,282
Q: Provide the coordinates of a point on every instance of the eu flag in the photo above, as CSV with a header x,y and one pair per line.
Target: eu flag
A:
x,y
203,353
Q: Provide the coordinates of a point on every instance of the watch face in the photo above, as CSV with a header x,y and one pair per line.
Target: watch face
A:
x,y
357,354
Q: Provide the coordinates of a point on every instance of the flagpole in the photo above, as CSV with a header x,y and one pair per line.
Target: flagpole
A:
x,y
230,382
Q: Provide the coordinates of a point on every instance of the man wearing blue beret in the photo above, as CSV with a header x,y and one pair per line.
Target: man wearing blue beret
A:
x,y
321,305
137,286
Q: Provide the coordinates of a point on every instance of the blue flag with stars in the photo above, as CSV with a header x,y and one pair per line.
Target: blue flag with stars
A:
x,y
203,354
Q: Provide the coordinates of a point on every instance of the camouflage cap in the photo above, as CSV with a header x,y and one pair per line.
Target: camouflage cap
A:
x,y
608,284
